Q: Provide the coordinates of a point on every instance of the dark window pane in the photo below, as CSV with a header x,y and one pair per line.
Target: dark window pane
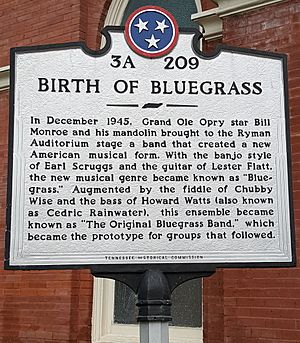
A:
x,y
125,311
186,304
181,10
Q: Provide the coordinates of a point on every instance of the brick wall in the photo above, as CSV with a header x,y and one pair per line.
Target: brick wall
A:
x,y
39,306
213,308
207,5
37,22
43,306
262,305
95,16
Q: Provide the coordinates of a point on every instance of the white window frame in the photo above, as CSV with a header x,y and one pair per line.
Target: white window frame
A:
x,y
104,330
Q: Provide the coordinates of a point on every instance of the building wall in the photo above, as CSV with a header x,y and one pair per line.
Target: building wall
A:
x,y
240,306
39,306
43,306
262,305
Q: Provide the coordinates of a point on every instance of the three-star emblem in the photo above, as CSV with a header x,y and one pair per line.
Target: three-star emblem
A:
x,y
152,41
151,31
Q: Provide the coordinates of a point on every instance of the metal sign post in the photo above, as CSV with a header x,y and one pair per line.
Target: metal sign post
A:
x,y
154,302
154,332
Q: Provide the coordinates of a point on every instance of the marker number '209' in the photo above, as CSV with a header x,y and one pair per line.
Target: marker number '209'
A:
x,y
181,62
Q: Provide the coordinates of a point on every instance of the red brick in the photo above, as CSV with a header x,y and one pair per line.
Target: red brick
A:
x,y
262,305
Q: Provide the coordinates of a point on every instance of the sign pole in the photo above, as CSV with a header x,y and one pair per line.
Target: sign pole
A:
x,y
154,303
154,332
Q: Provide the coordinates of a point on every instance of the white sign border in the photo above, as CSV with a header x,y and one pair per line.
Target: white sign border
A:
x,y
123,267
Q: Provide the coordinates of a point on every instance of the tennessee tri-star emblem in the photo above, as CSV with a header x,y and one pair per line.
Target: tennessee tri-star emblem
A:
x,y
151,31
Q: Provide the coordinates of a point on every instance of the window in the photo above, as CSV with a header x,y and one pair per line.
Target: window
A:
x,y
186,305
106,321
181,10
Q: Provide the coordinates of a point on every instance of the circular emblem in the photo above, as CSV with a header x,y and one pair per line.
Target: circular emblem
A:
x,y
151,31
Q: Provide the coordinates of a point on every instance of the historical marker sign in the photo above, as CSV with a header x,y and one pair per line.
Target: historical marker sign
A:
x,y
148,152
